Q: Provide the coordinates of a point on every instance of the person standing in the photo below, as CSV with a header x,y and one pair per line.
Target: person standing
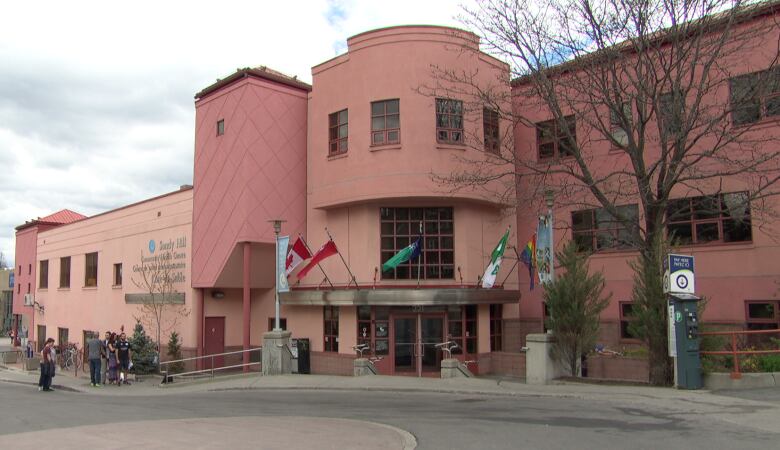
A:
x,y
47,366
104,358
112,363
123,355
93,352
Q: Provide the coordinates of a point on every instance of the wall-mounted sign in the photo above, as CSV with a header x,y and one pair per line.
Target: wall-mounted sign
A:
x,y
678,275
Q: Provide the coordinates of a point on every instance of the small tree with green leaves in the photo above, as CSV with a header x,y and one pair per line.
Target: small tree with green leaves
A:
x,y
174,354
144,351
575,302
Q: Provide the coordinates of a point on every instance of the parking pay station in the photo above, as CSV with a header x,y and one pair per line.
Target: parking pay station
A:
x,y
680,286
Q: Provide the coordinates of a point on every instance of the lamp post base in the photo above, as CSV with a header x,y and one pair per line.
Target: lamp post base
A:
x,y
277,359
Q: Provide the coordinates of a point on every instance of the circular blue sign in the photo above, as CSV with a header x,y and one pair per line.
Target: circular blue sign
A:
x,y
151,246
682,281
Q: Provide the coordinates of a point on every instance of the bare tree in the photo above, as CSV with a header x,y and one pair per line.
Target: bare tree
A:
x,y
641,102
161,306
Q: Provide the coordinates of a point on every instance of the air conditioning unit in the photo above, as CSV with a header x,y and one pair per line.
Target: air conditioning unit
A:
x,y
28,300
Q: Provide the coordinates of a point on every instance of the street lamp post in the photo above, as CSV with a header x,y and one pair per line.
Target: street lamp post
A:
x,y
277,229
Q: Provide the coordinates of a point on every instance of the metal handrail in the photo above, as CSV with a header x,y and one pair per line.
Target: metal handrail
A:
x,y
734,353
169,376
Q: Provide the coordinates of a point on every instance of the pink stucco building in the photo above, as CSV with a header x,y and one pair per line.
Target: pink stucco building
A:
x,y
352,157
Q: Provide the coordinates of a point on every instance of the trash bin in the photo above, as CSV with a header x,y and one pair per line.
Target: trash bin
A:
x,y
304,356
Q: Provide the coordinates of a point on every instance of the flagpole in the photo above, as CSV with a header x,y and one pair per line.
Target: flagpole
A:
x,y
305,244
353,280
419,257
513,266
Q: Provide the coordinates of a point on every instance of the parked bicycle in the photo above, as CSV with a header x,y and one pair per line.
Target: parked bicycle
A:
x,y
71,358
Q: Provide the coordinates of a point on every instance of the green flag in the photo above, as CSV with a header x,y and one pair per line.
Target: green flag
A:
x,y
489,278
411,251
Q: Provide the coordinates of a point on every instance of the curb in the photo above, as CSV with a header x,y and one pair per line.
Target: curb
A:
x,y
58,387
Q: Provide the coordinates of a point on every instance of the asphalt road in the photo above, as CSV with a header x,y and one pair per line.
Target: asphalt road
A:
x,y
437,421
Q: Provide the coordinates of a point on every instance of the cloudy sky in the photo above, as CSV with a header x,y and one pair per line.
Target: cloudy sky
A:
x,y
96,97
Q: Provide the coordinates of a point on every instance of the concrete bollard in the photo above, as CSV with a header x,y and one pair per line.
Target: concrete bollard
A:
x,y
277,359
540,367
453,368
362,366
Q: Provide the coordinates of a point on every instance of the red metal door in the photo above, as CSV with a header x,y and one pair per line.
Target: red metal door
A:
x,y
215,341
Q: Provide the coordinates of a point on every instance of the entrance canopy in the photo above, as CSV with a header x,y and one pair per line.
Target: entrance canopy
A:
x,y
399,297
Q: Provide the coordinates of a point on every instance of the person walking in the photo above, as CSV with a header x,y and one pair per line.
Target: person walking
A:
x,y
104,358
112,362
93,352
47,366
123,355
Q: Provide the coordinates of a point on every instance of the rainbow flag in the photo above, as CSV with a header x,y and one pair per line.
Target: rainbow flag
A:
x,y
527,257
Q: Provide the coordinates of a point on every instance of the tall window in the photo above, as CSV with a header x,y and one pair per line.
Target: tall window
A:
x,y
91,269
385,122
118,274
717,218
597,229
556,140
337,132
374,328
618,128
755,96
65,272
401,226
220,127
490,128
449,121
626,317
671,112
331,335
43,273
462,328
496,328
762,315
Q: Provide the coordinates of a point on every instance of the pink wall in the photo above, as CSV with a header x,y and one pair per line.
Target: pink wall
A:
x,y
256,171
25,273
727,274
118,236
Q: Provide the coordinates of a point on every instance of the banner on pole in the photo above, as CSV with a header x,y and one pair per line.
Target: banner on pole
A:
x,y
544,248
281,262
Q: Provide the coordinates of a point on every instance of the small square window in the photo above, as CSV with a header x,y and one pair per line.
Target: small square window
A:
x,y
220,127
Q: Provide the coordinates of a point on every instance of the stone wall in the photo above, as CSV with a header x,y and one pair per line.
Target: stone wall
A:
x,y
503,364
328,363
618,368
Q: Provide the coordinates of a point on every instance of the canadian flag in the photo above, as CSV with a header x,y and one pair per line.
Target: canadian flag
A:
x,y
297,254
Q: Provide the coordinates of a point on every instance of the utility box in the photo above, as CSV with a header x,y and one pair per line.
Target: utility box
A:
x,y
684,341
304,356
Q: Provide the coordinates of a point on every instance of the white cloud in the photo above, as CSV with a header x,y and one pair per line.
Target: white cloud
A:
x,y
96,97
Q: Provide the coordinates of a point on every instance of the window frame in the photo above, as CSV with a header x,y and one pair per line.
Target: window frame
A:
x,y
385,131
43,274
557,136
697,222
594,232
65,272
93,270
330,341
759,323
496,327
762,87
491,130
117,275
616,128
335,140
377,316
625,321
452,110
437,258
221,127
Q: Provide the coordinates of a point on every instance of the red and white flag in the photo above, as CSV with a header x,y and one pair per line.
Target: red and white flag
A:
x,y
297,254
328,249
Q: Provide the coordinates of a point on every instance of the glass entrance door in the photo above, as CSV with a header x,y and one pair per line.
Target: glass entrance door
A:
x,y
405,344
431,333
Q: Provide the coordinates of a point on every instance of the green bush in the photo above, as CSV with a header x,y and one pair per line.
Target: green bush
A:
x,y
769,363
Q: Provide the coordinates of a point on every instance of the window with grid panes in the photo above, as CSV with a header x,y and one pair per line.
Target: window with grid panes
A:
x,y
331,323
496,328
374,328
401,226
385,122
710,219
470,335
449,121
455,315
338,132
755,96
555,140
597,229
490,128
